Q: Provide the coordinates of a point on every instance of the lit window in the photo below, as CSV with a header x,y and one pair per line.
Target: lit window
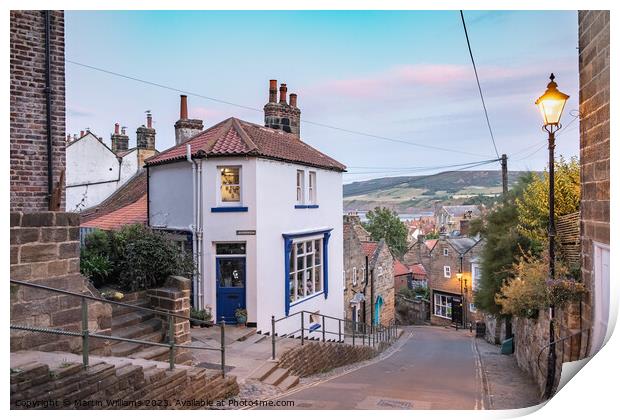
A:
x,y
443,306
354,276
312,187
446,271
306,269
476,275
230,185
300,187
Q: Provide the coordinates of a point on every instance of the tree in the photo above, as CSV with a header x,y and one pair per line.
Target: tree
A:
x,y
533,205
384,223
504,245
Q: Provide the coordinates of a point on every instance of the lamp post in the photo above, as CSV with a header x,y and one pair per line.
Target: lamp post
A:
x,y
551,104
459,276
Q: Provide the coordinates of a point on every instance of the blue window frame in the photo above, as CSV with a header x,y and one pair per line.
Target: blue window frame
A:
x,y
305,266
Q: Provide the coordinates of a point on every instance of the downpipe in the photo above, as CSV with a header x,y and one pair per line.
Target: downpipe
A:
x,y
193,229
200,237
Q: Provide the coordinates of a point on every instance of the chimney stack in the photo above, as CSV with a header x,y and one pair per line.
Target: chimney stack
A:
x,y
145,136
185,128
149,119
280,115
119,140
283,93
81,133
273,90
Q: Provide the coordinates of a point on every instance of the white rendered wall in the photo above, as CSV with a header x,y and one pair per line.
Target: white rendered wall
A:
x,y
277,215
129,167
88,161
170,196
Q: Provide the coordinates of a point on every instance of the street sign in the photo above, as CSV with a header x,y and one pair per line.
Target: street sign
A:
x,y
246,232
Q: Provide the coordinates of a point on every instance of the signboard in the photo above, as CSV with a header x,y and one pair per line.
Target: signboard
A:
x,y
246,232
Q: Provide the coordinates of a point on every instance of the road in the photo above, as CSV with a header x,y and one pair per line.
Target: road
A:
x,y
435,368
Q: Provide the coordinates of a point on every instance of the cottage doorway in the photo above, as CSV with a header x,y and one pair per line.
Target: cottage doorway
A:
x,y
230,281
378,306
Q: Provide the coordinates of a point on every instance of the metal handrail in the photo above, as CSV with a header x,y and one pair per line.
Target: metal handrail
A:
x,y
559,340
86,334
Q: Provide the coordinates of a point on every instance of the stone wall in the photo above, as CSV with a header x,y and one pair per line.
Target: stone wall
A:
x,y
45,250
130,385
354,262
383,284
411,311
594,142
313,358
495,329
28,131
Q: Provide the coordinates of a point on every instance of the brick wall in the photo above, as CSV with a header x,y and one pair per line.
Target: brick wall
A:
x,y
28,146
594,140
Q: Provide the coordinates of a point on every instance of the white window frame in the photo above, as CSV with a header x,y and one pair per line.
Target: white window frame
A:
x,y
472,308
442,301
447,271
380,273
222,203
300,187
445,252
354,277
312,187
315,268
476,275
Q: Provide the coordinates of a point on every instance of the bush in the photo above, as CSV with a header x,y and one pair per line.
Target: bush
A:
x,y
138,257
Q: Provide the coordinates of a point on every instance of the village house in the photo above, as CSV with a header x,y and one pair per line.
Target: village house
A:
x,y
264,212
453,272
403,276
419,278
95,171
454,220
422,225
368,273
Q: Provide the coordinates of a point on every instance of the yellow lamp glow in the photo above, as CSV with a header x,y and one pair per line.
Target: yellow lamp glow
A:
x,y
551,103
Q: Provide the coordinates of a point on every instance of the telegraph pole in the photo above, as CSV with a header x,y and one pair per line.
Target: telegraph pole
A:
x,y
504,174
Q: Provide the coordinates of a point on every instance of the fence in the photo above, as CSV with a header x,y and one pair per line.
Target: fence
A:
x,y
366,334
86,335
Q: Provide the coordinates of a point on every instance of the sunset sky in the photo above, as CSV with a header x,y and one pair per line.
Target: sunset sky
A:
x,y
406,76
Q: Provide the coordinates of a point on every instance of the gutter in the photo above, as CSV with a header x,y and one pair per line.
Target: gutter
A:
x,y
48,108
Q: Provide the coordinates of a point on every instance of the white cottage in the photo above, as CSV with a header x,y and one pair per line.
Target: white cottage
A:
x,y
265,212
95,171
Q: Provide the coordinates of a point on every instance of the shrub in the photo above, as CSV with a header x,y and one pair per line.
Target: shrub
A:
x,y
96,267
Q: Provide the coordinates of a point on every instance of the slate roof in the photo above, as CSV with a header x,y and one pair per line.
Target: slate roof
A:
x,y
462,245
234,137
127,205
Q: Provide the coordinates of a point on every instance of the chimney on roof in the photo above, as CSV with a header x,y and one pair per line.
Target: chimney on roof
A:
x,y
81,133
281,115
119,140
145,136
185,128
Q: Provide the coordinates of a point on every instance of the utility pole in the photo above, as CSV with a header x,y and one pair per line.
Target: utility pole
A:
x,y
504,174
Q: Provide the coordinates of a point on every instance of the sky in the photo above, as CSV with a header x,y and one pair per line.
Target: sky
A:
x,y
404,76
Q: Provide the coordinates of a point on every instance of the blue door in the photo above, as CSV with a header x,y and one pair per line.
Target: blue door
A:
x,y
378,306
230,277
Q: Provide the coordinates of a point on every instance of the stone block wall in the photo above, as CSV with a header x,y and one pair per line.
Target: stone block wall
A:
x,y
495,331
45,250
28,131
312,358
383,285
594,143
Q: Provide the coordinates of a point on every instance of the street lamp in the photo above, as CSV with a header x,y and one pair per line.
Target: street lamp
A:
x,y
551,104
459,276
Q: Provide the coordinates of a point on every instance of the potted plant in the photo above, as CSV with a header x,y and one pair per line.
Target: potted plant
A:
x,y
241,315
197,315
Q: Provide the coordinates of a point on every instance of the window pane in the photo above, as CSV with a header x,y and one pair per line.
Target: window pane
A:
x,y
309,246
318,250
231,272
291,283
309,283
300,263
300,248
230,176
318,284
300,284
230,249
231,193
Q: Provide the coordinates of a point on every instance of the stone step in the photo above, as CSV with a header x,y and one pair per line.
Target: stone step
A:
x,y
277,376
139,330
289,382
118,310
123,348
130,318
264,371
152,353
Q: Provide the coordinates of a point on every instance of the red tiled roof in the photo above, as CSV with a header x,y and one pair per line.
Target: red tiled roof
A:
x,y
122,203
234,137
430,244
418,269
369,248
400,269
128,215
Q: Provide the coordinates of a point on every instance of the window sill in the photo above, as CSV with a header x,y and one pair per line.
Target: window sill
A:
x,y
306,206
228,209
307,298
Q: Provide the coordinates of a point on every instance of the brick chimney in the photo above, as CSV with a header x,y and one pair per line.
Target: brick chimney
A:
x,y
282,115
145,136
185,128
119,140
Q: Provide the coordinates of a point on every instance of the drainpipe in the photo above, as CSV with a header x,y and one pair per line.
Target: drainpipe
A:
x,y
48,107
199,237
193,229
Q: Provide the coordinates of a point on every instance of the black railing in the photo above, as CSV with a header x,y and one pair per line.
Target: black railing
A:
x,y
370,335
86,334
581,353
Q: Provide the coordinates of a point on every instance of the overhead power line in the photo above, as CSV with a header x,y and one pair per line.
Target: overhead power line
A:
x,y
473,62
461,166
250,108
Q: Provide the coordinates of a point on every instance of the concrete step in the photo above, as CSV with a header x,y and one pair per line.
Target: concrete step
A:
x,y
264,371
130,318
277,376
139,330
289,382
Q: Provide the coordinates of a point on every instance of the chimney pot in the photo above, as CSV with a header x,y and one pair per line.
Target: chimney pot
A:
x,y
123,130
81,133
283,93
273,90
183,115
116,127
149,120
293,100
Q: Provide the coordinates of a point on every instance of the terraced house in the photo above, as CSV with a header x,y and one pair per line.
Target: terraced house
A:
x,y
264,212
